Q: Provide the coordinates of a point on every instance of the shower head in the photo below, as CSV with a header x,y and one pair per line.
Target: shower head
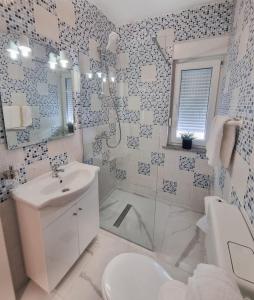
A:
x,y
112,41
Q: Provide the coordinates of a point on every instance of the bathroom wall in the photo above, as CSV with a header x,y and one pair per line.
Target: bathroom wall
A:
x,y
142,89
236,100
74,26
143,96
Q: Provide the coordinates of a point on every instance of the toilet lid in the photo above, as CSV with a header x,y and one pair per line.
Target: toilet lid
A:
x,y
132,276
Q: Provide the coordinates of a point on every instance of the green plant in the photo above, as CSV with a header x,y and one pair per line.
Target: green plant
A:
x,y
188,136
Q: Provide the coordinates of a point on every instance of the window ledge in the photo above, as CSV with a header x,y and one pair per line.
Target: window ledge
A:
x,y
178,147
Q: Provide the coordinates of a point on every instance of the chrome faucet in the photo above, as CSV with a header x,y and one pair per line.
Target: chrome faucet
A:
x,y
56,170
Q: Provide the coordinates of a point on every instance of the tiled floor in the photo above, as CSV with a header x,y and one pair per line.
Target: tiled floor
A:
x,y
177,243
84,279
169,230
138,225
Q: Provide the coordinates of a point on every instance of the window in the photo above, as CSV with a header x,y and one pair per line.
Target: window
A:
x,y
195,94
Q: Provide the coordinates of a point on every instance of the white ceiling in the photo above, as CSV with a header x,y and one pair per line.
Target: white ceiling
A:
x,y
127,11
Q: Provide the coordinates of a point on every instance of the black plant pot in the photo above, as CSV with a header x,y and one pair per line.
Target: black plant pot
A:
x,y
187,144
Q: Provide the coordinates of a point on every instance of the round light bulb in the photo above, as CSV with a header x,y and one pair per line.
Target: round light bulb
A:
x,y
99,74
89,75
52,61
24,46
63,59
13,50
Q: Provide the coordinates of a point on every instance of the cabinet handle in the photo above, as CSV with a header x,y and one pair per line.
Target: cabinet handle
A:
x,y
75,214
80,208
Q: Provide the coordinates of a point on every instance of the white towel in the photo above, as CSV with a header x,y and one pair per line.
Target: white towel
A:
x,y
213,146
12,117
210,282
173,290
228,143
26,113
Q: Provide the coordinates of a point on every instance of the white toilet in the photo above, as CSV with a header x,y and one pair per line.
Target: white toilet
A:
x,y
132,276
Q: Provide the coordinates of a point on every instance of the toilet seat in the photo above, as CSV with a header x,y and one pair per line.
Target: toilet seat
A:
x,y
133,276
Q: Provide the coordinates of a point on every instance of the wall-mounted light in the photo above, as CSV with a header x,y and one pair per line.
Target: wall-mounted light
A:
x,y
63,59
23,45
13,50
104,79
89,75
52,61
99,74
112,79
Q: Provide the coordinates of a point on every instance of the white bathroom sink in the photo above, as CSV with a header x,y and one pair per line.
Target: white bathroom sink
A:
x,y
48,191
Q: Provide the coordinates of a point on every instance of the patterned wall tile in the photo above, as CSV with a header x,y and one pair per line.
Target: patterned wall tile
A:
x,y
132,142
135,39
97,147
222,176
157,158
144,168
237,93
4,190
169,186
248,201
201,181
146,131
22,175
59,159
35,153
235,199
186,163
121,174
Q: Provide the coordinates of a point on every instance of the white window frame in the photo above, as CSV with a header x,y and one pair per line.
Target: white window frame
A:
x,y
215,64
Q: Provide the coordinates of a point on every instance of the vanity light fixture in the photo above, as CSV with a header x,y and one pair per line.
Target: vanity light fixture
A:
x,y
99,74
13,50
52,61
89,75
24,46
63,59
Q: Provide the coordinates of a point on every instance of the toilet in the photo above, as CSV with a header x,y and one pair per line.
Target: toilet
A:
x,y
133,276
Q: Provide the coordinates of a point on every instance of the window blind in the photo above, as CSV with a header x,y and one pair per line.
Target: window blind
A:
x,y
193,103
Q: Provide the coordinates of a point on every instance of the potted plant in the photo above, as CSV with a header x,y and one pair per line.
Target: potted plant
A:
x,y
187,139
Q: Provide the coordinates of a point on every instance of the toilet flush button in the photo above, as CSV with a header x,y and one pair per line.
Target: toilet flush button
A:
x,y
242,260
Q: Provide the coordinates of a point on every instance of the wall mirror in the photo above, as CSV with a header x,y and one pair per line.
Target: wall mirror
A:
x,y
36,92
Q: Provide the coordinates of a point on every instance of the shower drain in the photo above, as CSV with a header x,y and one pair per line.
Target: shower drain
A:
x,y
123,214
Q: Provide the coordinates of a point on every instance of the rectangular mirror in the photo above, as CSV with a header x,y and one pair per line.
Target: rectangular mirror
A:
x,y
36,93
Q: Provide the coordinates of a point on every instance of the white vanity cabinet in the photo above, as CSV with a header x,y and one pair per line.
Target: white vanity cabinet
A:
x,y
54,237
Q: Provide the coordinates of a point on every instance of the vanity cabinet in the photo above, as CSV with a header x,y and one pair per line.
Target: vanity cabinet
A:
x,y
54,237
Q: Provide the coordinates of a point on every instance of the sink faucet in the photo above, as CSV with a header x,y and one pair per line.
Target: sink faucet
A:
x,y
56,170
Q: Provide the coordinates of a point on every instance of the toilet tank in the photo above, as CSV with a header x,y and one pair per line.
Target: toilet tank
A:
x,y
230,245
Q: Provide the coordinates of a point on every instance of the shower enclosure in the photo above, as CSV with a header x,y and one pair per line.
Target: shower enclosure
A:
x,y
132,140
145,190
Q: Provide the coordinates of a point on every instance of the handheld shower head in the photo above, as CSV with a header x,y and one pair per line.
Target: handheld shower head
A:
x,y
112,41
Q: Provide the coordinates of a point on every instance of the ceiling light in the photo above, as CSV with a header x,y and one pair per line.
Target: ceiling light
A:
x,y
13,50
23,45
52,61
63,59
